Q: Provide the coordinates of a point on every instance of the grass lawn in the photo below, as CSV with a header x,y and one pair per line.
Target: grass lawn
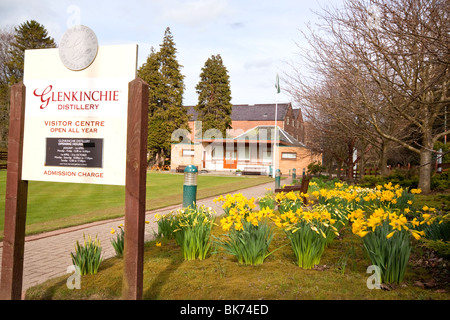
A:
x,y
57,205
342,274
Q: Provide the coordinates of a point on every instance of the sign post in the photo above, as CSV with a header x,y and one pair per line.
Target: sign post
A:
x,y
135,194
82,119
15,202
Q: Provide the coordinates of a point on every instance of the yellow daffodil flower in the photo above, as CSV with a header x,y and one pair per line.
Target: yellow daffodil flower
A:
x,y
390,234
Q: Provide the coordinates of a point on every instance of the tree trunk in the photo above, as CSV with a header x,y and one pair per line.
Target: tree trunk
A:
x,y
383,159
160,158
425,171
425,162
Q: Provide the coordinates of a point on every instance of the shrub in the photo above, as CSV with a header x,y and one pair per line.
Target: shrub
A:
x,y
167,223
308,233
386,238
118,241
440,181
250,243
442,248
322,182
315,168
369,181
249,233
193,232
87,257
267,201
403,178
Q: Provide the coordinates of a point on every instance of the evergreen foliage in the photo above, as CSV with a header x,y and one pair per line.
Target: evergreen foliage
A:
x,y
166,87
214,100
29,35
6,41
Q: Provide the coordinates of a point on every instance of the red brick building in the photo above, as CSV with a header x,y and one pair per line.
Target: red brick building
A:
x,y
249,145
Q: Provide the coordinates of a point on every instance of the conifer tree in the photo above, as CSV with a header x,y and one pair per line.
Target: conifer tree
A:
x,y
29,35
166,87
6,41
214,100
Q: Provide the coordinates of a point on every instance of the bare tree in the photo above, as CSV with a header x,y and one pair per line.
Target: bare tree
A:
x,y
392,57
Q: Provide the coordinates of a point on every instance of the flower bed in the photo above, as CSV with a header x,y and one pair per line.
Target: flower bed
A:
x,y
384,218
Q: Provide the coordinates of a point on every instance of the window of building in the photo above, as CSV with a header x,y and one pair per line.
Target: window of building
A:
x,y
289,155
188,152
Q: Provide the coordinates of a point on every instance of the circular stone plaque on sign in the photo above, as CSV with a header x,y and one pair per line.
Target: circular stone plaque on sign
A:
x,y
78,48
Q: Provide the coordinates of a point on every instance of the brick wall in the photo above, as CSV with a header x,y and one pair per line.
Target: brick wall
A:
x,y
177,158
303,157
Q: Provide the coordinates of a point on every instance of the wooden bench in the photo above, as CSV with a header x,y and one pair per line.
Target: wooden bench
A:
x,y
181,168
252,171
302,188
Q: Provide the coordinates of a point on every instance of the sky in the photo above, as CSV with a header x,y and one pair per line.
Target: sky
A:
x,y
257,39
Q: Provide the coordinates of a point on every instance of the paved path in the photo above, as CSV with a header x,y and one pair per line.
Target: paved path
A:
x,y
47,255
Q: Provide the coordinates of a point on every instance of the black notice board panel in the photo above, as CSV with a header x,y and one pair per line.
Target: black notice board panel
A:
x,y
74,152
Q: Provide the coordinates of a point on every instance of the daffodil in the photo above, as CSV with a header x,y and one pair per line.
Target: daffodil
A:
x,y
397,224
417,234
362,233
373,222
390,234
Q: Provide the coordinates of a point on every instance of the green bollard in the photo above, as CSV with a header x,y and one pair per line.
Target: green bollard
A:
x,y
294,174
190,186
277,178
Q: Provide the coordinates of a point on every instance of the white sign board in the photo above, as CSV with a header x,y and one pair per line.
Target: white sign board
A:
x,y
76,119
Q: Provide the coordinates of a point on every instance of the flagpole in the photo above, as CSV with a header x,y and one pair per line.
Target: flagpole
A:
x,y
277,86
275,139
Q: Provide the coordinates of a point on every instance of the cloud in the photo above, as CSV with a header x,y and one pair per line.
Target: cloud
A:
x,y
237,25
259,63
197,12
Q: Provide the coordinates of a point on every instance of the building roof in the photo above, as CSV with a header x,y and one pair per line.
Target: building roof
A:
x,y
261,134
252,112
267,133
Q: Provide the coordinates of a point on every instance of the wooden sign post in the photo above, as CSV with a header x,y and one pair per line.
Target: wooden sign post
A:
x,y
15,202
135,194
76,131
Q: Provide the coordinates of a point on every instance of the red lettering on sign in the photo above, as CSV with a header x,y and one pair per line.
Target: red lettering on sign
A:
x,y
43,96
